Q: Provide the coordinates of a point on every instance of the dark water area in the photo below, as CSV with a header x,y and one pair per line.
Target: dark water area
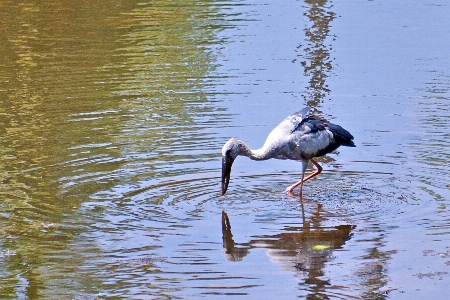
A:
x,y
112,119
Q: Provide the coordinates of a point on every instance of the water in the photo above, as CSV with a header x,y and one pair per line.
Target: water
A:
x,y
113,116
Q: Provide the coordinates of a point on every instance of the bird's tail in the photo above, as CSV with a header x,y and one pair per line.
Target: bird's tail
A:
x,y
341,136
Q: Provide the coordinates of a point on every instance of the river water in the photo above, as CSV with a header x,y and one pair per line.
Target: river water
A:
x,y
112,119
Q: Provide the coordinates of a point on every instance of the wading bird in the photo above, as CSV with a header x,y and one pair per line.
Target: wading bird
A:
x,y
299,137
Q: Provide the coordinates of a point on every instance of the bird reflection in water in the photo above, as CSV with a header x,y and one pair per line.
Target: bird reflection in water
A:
x,y
303,249
232,251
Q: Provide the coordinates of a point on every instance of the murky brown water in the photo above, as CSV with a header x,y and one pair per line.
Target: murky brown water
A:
x,y
113,114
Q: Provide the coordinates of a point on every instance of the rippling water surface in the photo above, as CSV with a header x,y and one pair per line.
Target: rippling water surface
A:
x,y
113,115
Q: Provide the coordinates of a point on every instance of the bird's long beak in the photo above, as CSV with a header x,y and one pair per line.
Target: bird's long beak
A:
x,y
227,162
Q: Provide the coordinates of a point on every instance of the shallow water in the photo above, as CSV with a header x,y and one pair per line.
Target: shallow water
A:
x,y
113,115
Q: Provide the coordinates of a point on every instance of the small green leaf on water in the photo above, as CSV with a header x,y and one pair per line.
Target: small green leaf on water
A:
x,y
320,247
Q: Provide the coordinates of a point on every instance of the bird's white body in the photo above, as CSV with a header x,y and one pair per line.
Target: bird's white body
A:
x,y
285,142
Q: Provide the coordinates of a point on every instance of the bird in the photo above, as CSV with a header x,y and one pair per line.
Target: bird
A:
x,y
299,137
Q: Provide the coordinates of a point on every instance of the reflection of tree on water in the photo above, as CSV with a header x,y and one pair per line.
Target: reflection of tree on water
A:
x,y
302,249
315,55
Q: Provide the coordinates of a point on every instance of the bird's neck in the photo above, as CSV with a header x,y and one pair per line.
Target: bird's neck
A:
x,y
259,154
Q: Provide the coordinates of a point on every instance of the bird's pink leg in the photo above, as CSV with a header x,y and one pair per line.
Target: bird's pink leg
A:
x,y
317,172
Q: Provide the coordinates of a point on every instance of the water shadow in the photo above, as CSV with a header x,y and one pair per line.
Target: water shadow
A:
x,y
303,249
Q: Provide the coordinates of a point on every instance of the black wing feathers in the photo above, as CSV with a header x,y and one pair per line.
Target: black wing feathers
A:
x,y
341,136
314,125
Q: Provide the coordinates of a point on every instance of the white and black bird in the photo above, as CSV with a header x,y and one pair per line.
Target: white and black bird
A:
x,y
299,137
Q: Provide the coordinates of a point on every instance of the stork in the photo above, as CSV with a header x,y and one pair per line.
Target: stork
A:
x,y
299,137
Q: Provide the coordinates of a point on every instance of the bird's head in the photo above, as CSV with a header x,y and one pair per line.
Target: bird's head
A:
x,y
230,151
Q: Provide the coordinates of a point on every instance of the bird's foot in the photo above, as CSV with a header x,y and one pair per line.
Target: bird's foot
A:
x,y
289,189
294,195
288,192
